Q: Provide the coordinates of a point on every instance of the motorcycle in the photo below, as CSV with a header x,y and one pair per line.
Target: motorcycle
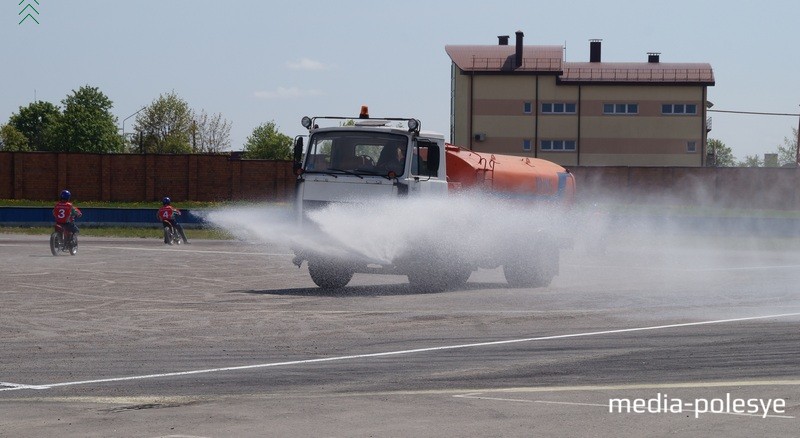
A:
x,y
171,235
63,240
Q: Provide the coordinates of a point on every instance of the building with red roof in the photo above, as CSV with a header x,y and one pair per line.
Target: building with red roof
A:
x,y
528,101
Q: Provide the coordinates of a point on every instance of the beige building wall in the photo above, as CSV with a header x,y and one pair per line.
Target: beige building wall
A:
x,y
640,127
562,158
642,92
564,127
648,138
550,91
504,87
461,108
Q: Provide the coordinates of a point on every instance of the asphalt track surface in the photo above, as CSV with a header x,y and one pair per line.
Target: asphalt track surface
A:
x,y
221,338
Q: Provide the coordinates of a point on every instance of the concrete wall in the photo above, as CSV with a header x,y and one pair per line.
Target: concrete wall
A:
x,y
134,178
761,188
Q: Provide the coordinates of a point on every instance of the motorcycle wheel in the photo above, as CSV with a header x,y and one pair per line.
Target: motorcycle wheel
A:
x,y
73,245
55,242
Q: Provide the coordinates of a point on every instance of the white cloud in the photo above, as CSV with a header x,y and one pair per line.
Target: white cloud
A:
x,y
286,93
306,64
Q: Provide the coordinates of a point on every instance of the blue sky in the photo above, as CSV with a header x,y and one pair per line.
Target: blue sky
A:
x,y
256,61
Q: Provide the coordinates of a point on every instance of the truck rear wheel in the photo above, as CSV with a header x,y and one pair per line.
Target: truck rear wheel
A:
x,y
329,274
536,271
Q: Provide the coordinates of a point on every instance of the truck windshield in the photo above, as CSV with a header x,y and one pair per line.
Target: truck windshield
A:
x,y
361,153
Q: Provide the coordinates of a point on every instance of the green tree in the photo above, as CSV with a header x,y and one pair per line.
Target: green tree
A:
x,y
787,152
164,127
723,153
267,143
87,124
11,140
751,161
35,122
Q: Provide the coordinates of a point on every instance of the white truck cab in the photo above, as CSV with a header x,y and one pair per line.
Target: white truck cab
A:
x,y
365,158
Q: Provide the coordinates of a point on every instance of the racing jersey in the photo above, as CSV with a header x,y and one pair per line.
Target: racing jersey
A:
x,y
168,213
65,212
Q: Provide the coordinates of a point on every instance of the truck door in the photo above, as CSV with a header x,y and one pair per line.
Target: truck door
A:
x,y
425,168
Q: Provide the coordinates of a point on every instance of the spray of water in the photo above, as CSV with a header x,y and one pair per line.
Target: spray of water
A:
x,y
642,254
383,230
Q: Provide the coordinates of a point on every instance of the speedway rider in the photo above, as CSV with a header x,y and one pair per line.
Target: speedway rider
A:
x,y
167,214
65,213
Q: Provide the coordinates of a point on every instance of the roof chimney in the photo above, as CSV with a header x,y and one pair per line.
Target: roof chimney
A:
x,y
518,57
502,40
594,50
653,57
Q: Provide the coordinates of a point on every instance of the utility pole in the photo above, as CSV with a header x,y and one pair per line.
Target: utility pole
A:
x,y
126,118
797,146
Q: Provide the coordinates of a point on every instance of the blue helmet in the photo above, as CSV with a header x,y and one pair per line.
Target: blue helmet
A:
x,y
166,200
65,195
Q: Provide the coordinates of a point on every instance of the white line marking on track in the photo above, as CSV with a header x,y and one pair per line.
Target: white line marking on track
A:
x,y
18,386
642,386
479,396
396,353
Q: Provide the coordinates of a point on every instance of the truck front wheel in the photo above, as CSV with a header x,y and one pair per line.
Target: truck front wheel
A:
x,y
329,274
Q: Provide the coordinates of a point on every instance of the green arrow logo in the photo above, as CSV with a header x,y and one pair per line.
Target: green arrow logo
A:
x,y
29,9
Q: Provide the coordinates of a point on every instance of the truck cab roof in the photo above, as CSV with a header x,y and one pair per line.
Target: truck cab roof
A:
x,y
382,124
375,125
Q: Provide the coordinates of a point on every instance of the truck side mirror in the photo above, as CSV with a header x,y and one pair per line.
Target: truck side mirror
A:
x,y
298,152
433,160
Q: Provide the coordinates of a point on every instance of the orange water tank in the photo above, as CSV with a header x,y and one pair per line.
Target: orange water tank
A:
x,y
506,174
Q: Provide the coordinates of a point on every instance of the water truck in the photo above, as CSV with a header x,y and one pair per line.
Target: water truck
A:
x,y
357,160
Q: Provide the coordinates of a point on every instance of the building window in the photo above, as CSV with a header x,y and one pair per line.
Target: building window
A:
x,y
620,108
526,145
527,107
558,145
679,108
691,146
559,108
